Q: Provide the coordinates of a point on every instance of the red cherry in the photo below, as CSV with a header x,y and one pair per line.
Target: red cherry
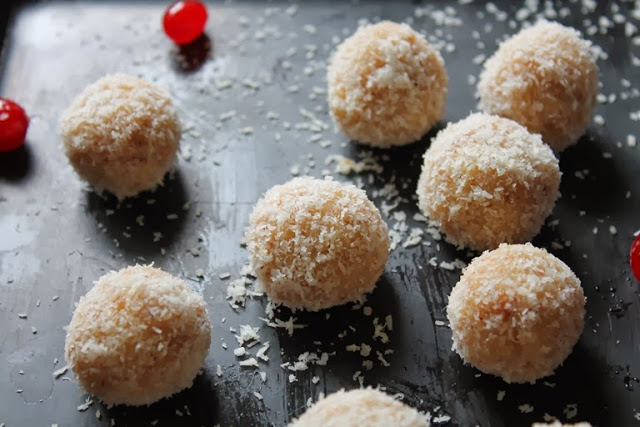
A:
x,y
634,257
184,21
13,125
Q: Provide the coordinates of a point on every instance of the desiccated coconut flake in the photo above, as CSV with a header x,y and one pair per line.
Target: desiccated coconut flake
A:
x,y
525,408
60,372
87,403
251,362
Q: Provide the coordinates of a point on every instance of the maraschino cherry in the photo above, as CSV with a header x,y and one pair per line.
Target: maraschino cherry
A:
x,y
184,21
13,125
634,257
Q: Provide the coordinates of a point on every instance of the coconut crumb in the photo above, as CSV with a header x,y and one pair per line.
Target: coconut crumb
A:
x,y
525,408
249,363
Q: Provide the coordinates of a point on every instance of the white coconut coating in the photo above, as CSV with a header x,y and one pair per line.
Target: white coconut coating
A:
x,y
387,85
360,408
546,79
317,243
486,180
516,312
137,336
121,134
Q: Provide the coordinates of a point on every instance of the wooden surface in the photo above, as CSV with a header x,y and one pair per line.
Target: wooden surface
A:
x,y
56,237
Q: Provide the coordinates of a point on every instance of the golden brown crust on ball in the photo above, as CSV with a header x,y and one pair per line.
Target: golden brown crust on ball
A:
x,y
486,180
137,336
387,85
516,312
121,134
361,407
546,79
317,243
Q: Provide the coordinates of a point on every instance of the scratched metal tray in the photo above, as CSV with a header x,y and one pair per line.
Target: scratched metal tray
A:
x,y
264,60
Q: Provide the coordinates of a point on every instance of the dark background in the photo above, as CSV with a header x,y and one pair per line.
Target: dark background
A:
x,y
56,237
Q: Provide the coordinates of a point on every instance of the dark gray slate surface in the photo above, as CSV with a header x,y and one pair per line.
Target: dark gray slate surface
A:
x,y
56,238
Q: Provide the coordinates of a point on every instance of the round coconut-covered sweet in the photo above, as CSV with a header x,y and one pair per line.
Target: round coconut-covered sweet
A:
x,y
139,335
360,407
316,243
486,180
516,312
546,79
387,85
121,134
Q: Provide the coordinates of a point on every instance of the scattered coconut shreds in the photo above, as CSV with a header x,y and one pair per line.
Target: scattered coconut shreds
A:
x,y
257,395
248,336
261,354
441,419
219,370
346,166
237,292
290,326
382,360
525,408
415,237
87,403
379,329
60,372
263,376
501,394
249,363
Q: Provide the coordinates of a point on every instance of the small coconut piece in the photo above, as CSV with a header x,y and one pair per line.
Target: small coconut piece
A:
x,y
516,312
559,424
121,134
387,85
360,407
317,243
486,180
546,79
139,335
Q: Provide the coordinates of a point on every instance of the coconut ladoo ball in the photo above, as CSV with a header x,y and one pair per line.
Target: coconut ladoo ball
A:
x,y
316,243
516,312
139,335
121,134
387,85
360,407
486,180
546,79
